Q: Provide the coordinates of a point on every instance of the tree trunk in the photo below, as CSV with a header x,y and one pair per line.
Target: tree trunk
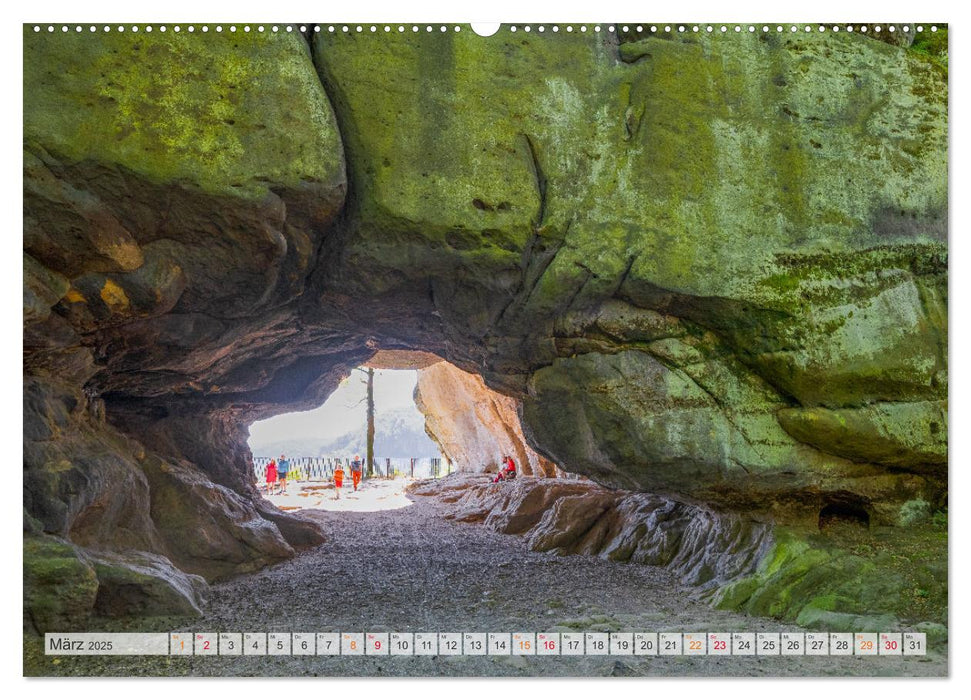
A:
x,y
370,423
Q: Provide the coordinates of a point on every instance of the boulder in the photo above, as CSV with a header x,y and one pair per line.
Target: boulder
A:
x,y
142,584
208,529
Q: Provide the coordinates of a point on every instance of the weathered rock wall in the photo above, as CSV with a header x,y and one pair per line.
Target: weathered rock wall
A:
x,y
705,548
708,267
171,216
678,250
734,560
474,425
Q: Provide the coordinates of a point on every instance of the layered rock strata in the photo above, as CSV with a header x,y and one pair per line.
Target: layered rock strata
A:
x,y
736,561
704,548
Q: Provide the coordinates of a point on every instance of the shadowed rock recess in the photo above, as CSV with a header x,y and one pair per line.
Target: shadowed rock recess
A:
x,y
707,272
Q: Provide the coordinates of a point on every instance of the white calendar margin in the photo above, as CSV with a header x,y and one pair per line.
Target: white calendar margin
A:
x,y
507,11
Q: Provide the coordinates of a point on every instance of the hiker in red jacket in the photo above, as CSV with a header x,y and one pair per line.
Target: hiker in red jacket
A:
x,y
270,476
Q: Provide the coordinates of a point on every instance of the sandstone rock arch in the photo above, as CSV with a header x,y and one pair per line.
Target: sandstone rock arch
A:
x,y
677,253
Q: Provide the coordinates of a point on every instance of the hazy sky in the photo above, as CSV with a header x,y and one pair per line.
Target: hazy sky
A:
x,y
344,411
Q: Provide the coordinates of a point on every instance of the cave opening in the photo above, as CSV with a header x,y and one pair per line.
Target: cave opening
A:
x,y
321,445
426,419
844,512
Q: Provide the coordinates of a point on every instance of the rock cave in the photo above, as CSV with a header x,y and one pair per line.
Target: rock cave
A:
x,y
698,287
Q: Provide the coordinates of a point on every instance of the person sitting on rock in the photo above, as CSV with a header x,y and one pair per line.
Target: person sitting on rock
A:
x,y
283,468
507,472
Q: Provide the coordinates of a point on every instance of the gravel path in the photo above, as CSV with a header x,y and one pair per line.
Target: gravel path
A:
x,y
410,570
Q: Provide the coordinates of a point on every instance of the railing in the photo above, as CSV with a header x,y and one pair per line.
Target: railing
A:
x,y
322,468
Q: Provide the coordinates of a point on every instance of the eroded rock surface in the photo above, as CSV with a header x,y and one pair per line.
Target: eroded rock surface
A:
x,y
704,548
173,211
662,244
830,581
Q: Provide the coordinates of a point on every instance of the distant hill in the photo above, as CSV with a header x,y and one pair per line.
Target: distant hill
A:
x,y
398,432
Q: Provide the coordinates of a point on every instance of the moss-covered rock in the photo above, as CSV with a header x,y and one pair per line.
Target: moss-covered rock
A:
x,y
899,434
141,584
916,512
849,580
638,164
163,151
232,114
59,586
65,586
757,189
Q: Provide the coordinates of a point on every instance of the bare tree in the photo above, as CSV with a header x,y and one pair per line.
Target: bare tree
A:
x,y
369,457
370,423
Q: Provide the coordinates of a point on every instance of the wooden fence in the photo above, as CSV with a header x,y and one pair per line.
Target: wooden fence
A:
x,y
322,468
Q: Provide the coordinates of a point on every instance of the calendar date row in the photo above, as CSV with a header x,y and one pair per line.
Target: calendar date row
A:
x,y
489,644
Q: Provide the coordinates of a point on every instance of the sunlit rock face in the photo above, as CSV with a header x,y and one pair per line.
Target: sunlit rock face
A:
x,y
474,425
705,267
402,359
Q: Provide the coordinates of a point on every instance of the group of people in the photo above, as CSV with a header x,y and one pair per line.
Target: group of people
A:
x,y
507,471
276,475
277,471
356,474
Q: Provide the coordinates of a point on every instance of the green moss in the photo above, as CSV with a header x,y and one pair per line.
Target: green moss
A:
x,y
671,166
914,512
59,588
227,113
932,45
896,434
785,548
781,282
732,596
850,577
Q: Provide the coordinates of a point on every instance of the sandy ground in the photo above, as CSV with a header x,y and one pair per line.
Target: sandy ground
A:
x,y
407,569
372,495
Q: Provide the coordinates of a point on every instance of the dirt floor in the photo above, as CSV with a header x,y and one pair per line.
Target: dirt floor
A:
x,y
407,569
373,495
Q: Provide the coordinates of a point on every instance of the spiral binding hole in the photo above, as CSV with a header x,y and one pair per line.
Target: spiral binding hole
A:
x,y
542,29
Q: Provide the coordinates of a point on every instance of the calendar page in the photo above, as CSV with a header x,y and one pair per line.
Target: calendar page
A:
x,y
547,349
